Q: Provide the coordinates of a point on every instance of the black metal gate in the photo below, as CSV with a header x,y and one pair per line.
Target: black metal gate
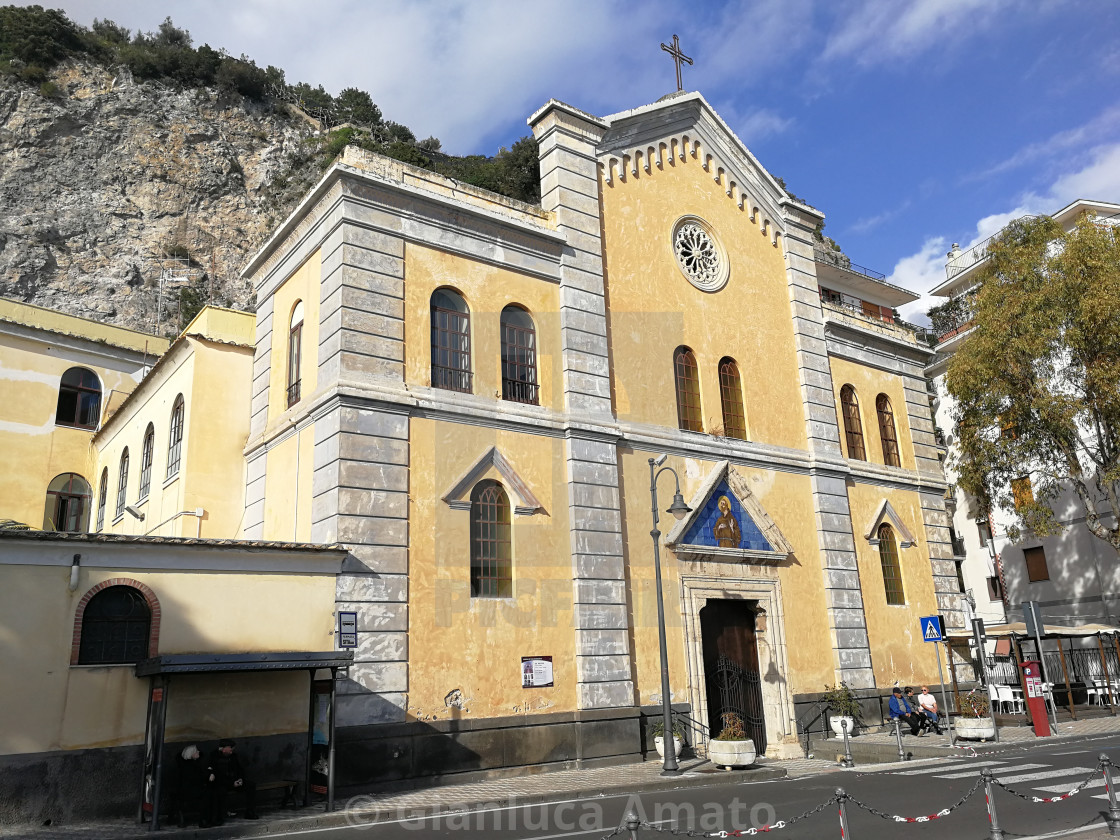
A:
x,y
738,690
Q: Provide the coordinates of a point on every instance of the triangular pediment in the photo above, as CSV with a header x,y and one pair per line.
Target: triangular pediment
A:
x,y
886,513
458,496
727,522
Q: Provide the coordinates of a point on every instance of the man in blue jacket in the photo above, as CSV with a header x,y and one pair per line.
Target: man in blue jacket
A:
x,y
900,709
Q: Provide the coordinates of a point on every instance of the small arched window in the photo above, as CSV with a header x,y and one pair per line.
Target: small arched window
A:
x,y
731,395
491,543
102,494
519,356
146,461
122,483
68,498
853,429
116,627
295,353
175,438
79,399
451,341
686,374
892,570
887,431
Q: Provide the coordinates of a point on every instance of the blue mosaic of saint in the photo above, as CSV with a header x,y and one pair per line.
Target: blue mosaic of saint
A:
x,y
723,523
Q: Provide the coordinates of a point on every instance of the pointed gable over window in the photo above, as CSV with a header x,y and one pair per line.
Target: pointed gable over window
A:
x,y
458,496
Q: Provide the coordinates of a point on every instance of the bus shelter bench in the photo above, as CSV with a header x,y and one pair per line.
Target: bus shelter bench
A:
x,y
289,786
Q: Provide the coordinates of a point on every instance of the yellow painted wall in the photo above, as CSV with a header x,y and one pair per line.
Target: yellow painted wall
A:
x,y
487,289
476,645
288,487
653,307
302,285
58,706
787,498
869,382
898,652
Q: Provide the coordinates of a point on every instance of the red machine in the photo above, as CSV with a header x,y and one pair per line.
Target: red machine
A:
x,y
1036,698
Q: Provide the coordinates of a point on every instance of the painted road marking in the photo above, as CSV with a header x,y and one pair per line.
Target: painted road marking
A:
x,y
1049,774
1013,769
1066,787
950,765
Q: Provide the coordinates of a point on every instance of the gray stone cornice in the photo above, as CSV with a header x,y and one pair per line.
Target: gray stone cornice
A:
x,y
100,353
872,349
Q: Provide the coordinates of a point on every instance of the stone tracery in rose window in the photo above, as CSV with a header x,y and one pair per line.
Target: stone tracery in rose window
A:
x,y
699,256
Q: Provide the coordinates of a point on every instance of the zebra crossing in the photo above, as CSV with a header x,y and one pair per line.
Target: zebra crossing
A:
x,y
1011,773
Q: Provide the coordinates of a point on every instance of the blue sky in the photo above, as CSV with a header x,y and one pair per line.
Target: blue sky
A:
x,y
911,123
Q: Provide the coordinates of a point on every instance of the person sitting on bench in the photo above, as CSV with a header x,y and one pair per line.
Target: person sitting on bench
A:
x,y
900,710
226,777
191,786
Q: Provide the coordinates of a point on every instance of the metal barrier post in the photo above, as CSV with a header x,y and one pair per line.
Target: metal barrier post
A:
x,y
847,760
898,738
1113,815
997,832
632,823
843,798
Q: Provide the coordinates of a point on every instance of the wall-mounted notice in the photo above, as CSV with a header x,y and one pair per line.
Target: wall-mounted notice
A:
x,y
536,671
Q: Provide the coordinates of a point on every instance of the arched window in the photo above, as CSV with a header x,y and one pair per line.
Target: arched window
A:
x,y
102,493
146,461
451,341
519,356
892,571
731,395
79,399
175,438
68,497
491,545
886,431
853,429
116,627
122,483
687,378
295,353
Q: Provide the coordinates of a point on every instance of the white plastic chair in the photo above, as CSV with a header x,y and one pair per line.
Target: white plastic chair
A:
x,y
994,694
1008,699
1094,692
1017,699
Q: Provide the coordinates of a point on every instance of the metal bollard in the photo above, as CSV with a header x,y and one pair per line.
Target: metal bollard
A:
x,y
898,738
997,832
632,823
843,797
847,760
1113,815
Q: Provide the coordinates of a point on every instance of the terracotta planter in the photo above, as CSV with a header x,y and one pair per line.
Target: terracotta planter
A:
x,y
659,743
834,722
732,753
975,729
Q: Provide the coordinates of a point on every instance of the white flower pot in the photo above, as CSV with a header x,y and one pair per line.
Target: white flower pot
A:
x,y
659,742
732,753
834,722
976,729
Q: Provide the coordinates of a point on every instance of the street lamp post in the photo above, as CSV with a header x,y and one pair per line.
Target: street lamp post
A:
x,y
679,509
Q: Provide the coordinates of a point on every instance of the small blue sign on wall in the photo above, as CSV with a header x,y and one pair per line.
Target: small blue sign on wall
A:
x,y
932,628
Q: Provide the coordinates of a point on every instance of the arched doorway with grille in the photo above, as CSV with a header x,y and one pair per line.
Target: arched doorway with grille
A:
x,y
733,682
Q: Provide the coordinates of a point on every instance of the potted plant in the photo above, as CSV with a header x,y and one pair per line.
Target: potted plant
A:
x,y
975,721
658,731
844,706
732,747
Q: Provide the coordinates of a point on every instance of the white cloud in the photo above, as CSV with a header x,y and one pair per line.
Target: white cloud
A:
x,y
921,272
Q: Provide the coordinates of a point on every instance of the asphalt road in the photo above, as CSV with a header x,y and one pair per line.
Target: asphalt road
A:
x,y
922,789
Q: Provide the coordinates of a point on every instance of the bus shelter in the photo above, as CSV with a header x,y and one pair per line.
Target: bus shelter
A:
x,y
161,670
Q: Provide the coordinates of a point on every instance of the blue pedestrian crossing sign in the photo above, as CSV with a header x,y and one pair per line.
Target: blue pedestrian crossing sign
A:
x,y
932,628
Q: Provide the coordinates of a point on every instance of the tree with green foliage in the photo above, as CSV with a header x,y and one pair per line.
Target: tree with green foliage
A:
x,y
1037,380
38,36
356,106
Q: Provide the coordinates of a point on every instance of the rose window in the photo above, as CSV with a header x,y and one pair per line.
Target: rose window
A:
x,y
698,255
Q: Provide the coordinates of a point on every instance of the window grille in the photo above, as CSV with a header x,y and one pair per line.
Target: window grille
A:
x,y
689,417
295,351
175,438
519,357
116,627
451,342
68,498
101,496
491,547
731,395
892,571
146,461
79,399
122,483
887,431
853,429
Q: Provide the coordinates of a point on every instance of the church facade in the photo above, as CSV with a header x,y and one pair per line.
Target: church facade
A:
x,y
469,393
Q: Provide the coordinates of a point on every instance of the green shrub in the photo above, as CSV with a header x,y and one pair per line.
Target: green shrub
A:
x,y
50,90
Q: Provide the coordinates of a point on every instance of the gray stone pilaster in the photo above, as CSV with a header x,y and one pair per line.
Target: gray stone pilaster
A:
x,y
945,585
570,190
920,417
255,468
844,597
262,361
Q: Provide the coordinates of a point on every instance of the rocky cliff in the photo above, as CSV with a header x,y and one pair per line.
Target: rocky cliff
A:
x,y
108,185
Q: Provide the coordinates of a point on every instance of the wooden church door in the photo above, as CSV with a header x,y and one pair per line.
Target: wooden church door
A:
x,y
734,684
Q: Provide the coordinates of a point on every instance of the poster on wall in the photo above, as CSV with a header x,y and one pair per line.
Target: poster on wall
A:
x,y
320,735
536,671
152,743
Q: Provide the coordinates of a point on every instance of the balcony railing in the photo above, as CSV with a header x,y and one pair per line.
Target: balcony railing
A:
x,y
841,260
898,329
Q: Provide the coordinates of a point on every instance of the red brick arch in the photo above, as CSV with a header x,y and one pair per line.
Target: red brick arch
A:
x,y
149,596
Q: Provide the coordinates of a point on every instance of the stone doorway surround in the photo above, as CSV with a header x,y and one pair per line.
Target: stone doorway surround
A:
x,y
703,582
